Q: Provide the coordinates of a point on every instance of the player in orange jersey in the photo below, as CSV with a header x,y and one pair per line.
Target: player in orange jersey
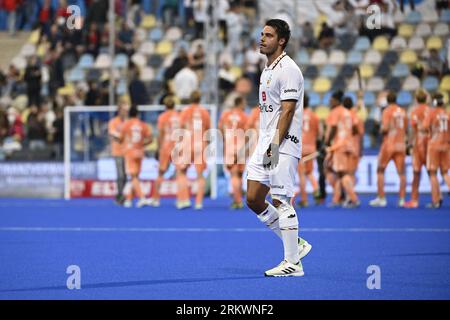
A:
x,y
232,124
252,128
311,132
135,135
357,138
114,130
394,123
418,141
437,124
340,140
196,120
168,122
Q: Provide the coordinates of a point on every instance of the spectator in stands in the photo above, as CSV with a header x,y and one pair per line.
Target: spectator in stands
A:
x,y
97,12
16,127
388,8
185,82
46,16
169,12
442,5
125,39
326,37
4,126
235,22
137,90
10,6
58,134
435,64
48,115
178,63
252,62
200,15
33,79
222,9
26,13
307,39
92,40
226,78
93,94
134,13
36,129
411,4
198,58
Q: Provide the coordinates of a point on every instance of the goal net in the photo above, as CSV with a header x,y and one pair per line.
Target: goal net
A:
x,y
89,168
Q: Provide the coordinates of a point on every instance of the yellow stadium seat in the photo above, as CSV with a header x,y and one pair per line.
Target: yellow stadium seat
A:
x,y
164,48
362,114
236,71
67,90
42,50
446,97
434,43
445,84
322,112
406,30
322,85
148,22
408,57
366,71
381,43
34,37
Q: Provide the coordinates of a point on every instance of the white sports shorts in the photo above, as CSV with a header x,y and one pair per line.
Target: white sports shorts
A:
x,y
280,180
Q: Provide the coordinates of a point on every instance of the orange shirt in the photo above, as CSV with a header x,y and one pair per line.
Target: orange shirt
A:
x,y
394,122
342,119
134,133
196,119
418,115
437,123
231,122
114,129
357,138
168,122
310,131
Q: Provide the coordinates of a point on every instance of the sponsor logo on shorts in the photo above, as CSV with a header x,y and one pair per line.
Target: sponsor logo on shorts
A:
x,y
274,186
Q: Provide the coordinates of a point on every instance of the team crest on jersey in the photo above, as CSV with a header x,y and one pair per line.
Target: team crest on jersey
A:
x,y
264,96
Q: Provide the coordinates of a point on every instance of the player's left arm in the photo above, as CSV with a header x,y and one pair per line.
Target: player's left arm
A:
x,y
148,135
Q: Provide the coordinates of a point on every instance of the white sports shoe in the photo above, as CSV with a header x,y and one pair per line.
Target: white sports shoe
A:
x,y
198,206
127,203
154,203
286,269
143,202
303,248
183,204
378,202
401,202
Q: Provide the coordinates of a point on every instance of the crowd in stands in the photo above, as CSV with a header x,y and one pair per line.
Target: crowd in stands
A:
x,y
160,51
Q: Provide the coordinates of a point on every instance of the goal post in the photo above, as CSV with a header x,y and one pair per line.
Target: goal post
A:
x,y
86,143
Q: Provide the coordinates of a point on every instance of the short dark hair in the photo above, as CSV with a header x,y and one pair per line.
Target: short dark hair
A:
x,y
305,100
337,95
133,113
347,102
439,97
282,29
238,100
392,97
196,96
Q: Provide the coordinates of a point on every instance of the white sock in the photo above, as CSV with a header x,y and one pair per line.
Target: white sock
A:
x,y
288,224
271,219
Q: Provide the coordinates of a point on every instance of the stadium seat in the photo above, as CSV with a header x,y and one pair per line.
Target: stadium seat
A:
x,y
430,83
354,57
408,57
311,72
93,75
35,36
155,61
314,99
398,43
148,22
441,29
103,61
390,57
319,57
328,71
155,87
345,42
174,34
369,98
67,90
19,62
434,42
404,98
147,74
400,70
423,30
366,70
383,70
307,85
338,84
446,98
405,30
372,57
337,57
445,16
353,84
139,60
362,44
445,84
121,88
394,84
414,17
28,50
431,16
381,43
322,112
416,43
75,75
164,48
86,61
321,85
347,70
147,48
140,35
411,83
326,98
236,71
120,61
155,35
302,57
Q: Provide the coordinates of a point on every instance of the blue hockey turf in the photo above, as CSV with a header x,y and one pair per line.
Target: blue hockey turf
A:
x,y
217,253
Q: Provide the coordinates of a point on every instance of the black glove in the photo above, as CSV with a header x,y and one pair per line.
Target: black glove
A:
x,y
157,155
271,157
